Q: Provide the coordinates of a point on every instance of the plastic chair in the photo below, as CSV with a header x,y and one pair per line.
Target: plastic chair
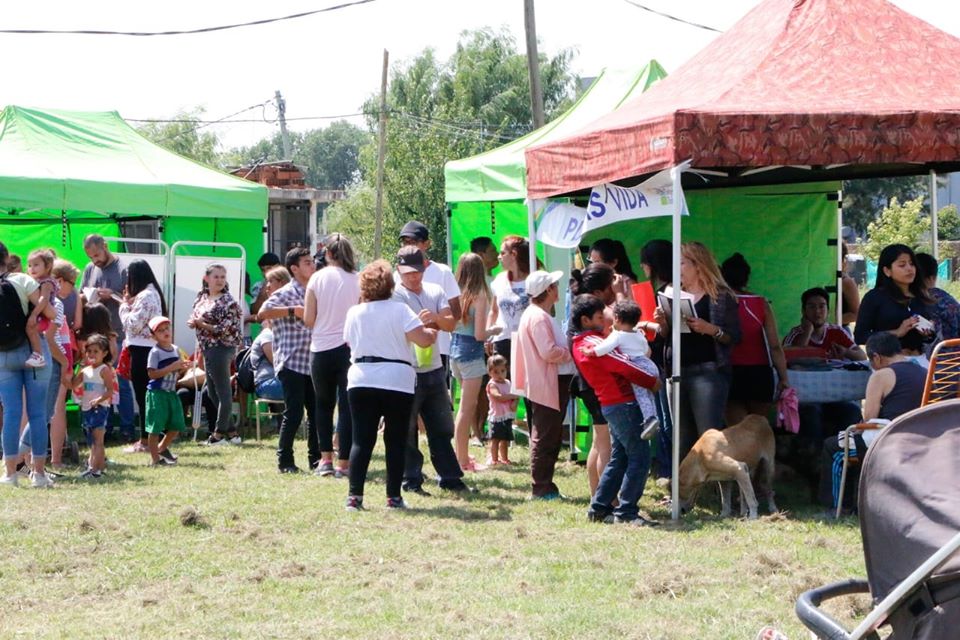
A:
x,y
854,459
262,407
943,376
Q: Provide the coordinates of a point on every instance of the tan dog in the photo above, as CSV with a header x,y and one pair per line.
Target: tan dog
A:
x,y
736,453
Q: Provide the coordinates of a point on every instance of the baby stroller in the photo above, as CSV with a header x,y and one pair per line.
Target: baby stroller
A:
x,y
910,522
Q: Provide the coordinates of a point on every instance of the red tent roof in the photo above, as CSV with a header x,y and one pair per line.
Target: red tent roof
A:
x,y
794,82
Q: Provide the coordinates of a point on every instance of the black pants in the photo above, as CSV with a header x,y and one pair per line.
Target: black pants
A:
x,y
187,398
432,403
367,406
297,396
329,372
139,379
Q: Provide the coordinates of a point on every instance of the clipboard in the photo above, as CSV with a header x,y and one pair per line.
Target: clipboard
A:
x,y
687,310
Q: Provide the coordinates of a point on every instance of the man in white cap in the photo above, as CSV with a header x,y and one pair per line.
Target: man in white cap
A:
x,y
431,400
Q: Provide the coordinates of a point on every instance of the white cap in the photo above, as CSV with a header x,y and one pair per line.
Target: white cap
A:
x,y
540,281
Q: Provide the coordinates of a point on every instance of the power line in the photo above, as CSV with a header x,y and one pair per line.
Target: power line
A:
x,y
670,17
97,32
238,120
224,119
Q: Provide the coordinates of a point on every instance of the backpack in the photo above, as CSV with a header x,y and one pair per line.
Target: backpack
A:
x,y
245,371
13,321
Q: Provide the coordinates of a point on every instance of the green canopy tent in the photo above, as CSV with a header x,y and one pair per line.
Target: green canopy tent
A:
x,y
64,174
486,192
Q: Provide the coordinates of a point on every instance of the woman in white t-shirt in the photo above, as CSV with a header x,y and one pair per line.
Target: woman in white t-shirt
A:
x,y
381,380
509,289
331,292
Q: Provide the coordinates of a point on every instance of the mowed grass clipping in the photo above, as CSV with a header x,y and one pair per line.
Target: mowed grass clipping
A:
x,y
222,546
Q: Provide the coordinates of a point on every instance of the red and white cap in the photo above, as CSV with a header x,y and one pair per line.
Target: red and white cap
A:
x,y
156,322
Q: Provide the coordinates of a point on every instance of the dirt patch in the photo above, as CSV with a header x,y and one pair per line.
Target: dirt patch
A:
x,y
672,586
292,570
86,526
190,517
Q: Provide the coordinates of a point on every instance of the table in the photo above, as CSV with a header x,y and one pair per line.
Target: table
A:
x,y
834,385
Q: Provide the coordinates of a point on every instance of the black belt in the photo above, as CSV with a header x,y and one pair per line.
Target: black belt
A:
x,y
379,359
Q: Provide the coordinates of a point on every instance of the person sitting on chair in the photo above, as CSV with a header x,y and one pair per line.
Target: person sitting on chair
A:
x,y
895,387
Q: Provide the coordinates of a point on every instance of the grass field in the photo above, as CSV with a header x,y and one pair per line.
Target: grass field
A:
x,y
224,547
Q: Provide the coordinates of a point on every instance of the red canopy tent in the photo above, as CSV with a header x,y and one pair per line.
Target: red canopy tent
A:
x,y
842,88
796,91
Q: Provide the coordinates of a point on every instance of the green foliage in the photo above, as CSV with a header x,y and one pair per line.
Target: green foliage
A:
x,y
185,137
329,156
898,223
948,223
863,198
354,217
476,101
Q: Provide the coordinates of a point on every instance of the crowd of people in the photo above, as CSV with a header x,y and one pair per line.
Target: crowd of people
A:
x,y
352,353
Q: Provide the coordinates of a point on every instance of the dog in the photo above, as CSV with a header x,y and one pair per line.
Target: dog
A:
x,y
736,453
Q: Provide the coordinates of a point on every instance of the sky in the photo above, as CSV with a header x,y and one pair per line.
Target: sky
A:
x,y
325,64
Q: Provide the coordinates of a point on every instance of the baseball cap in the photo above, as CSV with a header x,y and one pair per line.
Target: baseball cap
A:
x,y
540,281
157,321
410,259
416,230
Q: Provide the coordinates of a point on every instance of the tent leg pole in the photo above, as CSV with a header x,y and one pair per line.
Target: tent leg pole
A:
x,y
839,305
676,239
532,235
934,226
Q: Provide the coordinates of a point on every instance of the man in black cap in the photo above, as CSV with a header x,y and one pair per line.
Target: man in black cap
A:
x,y
417,235
431,400
266,262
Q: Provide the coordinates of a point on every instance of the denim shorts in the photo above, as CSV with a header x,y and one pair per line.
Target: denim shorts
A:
x,y
95,418
466,348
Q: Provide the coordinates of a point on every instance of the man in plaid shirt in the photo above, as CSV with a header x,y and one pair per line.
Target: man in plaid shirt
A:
x,y
291,358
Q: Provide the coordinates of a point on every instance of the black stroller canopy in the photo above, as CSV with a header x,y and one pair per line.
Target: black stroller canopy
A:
x,y
910,508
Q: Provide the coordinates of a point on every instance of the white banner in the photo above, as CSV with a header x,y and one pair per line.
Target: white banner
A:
x,y
562,224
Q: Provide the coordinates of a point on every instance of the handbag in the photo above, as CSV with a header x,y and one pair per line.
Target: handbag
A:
x,y
124,363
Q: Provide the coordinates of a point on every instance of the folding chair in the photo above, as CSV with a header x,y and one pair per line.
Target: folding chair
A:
x,y
857,455
943,376
266,408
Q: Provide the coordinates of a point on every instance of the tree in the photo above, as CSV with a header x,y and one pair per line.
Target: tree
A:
x,y
332,155
329,157
183,136
948,223
354,217
862,199
898,223
477,100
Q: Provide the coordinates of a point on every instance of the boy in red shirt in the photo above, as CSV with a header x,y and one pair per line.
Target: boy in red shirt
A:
x,y
611,377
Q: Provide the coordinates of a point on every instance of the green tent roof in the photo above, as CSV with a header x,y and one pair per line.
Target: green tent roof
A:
x,y
501,174
52,160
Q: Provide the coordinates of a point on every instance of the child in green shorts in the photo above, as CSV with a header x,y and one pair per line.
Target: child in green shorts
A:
x,y
164,411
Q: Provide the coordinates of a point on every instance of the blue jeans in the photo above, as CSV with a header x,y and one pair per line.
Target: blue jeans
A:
x,y
53,388
703,398
270,389
15,379
664,457
626,473
126,410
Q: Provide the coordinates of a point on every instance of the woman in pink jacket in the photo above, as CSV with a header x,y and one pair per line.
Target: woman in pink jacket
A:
x,y
541,348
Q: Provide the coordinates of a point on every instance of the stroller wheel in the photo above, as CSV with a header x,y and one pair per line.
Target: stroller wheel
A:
x,y
74,453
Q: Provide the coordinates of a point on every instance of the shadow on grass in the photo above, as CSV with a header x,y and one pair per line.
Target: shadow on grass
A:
x,y
498,513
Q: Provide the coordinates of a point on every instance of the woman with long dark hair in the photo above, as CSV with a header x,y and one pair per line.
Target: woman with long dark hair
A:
x,y
218,321
613,254
597,279
331,292
897,302
142,301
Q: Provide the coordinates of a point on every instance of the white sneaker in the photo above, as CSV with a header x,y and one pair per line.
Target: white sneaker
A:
x,y
40,481
9,480
235,440
35,361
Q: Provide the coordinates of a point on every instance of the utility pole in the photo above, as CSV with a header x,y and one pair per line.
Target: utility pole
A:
x,y
284,136
381,153
533,65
